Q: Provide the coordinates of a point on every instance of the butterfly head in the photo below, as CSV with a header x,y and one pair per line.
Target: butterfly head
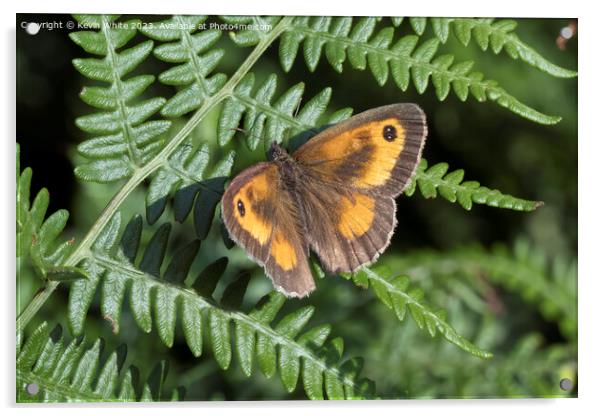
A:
x,y
277,153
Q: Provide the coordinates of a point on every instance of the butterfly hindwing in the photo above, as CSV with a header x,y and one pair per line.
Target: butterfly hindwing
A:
x,y
262,218
376,151
347,229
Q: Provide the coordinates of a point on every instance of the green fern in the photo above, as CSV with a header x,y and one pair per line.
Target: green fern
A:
x,y
185,48
36,236
264,119
396,294
185,176
495,35
71,373
340,40
432,182
549,284
166,295
127,140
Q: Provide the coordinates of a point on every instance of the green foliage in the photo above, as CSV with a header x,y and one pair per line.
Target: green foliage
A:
x,y
498,35
396,294
170,294
72,372
196,57
36,236
186,177
432,182
127,141
264,119
527,368
340,40
550,284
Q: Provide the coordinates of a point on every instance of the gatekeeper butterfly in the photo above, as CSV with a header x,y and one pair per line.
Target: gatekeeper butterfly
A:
x,y
333,195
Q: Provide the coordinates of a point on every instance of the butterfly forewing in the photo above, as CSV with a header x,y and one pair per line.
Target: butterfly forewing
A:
x,y
376,151
261,217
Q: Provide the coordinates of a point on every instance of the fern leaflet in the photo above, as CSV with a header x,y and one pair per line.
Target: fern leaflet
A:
x,y
127,141
432,182
395,293
36,236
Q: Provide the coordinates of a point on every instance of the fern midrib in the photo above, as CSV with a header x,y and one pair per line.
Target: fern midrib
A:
x,y
143,172
250,102
192,57
184,176
202,303
440,323
126,127
68,391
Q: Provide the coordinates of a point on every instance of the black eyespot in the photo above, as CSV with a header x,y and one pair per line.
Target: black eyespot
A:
x,y
389,133
241,208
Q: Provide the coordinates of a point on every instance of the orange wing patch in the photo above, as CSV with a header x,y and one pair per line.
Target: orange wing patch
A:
x,y
283,252
249,196
388,138
371,151
356,215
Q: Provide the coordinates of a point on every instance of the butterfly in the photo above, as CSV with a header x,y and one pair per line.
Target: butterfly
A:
x,y
333,195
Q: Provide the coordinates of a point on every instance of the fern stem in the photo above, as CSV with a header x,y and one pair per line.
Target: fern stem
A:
x,y
83,249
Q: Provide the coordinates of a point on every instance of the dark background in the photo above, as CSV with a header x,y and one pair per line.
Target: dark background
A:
x,y
494,146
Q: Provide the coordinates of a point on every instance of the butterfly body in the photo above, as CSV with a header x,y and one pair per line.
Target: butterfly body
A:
x,y
334,196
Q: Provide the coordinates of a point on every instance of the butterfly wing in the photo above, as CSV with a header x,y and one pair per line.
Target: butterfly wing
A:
x,y
353,171
347,229
262,218
376,151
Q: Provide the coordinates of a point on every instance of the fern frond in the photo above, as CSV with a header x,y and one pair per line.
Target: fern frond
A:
x,y
550,284
187,177
196,59
125,139
497,35
113,268
36,236
396,294
340,40
432,182
72,372
264,119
